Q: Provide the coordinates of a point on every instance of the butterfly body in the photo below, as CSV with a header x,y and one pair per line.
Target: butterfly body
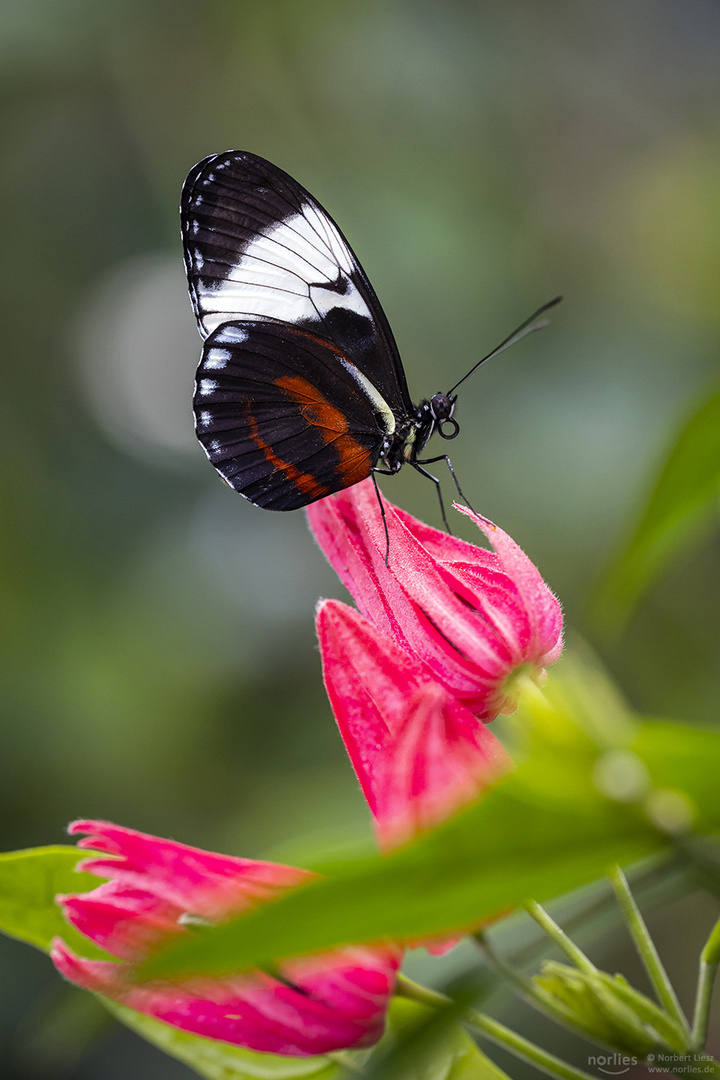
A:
x,y
300,391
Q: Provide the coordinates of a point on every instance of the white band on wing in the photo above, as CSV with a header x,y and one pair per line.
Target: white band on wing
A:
x,y
380,404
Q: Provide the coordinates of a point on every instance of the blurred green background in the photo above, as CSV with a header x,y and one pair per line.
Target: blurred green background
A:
x,y
159,663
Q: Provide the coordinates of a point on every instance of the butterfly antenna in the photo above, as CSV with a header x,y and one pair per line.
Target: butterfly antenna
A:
x,y
528,327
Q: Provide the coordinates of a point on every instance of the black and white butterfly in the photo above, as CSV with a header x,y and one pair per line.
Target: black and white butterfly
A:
x,y
300,391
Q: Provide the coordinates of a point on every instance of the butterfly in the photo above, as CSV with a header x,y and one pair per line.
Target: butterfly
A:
x,y
300,391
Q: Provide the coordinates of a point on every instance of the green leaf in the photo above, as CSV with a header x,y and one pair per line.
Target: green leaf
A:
x,y
678,512
29,882
514,844
426,1044
220,1060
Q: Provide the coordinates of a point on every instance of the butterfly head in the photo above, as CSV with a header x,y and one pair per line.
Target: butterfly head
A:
x,y
442,407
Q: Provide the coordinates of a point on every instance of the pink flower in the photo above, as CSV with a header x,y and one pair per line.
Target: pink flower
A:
x,y
474,617
158,888
418,753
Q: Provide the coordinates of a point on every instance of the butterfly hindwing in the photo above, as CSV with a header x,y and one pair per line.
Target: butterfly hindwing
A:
x,y
259,247
284,416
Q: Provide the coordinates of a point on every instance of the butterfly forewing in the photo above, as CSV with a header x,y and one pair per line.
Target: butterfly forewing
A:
x,y
258,247
281,414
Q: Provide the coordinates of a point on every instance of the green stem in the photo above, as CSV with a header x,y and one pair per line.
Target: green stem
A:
x,y
523,1048
709,960
495,1031
408,988
647,951
703,996
551,928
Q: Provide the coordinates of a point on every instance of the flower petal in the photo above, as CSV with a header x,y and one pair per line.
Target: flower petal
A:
x,y
418,753
209,885
328,1003
543,607
123,920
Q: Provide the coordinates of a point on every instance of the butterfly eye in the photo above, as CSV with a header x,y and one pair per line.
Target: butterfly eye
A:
x,y
441,407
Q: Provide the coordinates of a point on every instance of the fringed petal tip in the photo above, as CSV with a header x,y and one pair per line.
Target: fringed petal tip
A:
x,y
97,976
63,958
481,521
83,825
93,835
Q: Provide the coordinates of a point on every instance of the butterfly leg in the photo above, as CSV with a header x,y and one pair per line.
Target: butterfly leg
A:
x,y
423,472
383,472
448,462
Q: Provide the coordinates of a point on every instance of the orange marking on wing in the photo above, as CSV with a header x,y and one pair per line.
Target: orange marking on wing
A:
x,y
354,461
314,406
307,483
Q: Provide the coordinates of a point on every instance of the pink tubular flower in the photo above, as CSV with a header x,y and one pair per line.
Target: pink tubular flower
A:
x,y
474,617
418,753
156,889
